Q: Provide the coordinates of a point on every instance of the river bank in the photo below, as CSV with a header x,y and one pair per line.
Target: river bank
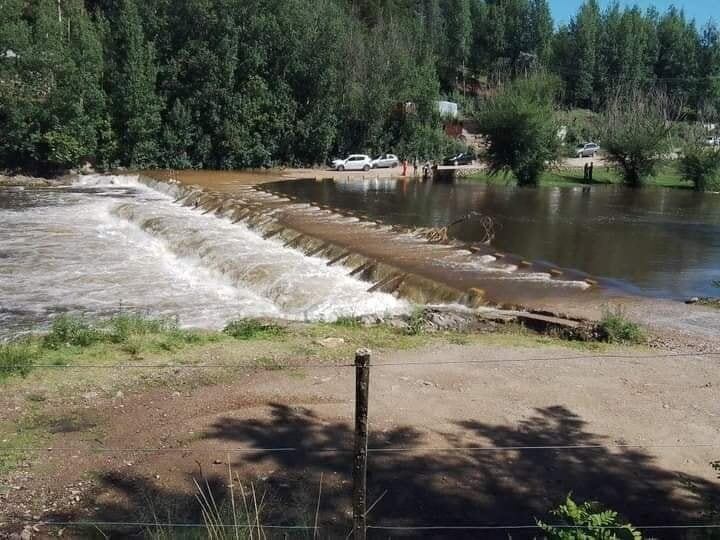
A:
x,y
123,442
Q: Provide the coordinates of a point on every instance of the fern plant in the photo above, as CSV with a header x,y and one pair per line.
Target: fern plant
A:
x,y
587,521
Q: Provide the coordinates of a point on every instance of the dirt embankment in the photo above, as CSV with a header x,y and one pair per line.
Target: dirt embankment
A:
x,y
466,430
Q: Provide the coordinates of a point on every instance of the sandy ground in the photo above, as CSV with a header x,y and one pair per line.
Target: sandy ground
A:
x,y
286,430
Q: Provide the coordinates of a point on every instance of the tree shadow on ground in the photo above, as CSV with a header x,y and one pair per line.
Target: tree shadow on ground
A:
x,y
422,488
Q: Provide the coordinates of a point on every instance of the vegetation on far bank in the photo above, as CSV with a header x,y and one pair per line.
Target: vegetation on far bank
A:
x,y
666,175
235,84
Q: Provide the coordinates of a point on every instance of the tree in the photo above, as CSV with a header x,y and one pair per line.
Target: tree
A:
x,y
636,131
585,30
521,130
135,100
458,35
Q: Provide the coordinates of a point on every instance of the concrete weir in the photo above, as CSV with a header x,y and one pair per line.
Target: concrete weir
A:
x,y
392,259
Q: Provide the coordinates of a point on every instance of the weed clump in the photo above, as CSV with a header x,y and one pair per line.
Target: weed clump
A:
x,y
416,322
348,322
123,327
16,359
247,329
617,328
69,331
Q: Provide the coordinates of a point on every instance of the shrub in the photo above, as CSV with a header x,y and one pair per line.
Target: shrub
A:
x,y
700,163
617,328
67,330
252,329
521,129
636,132
587,521
16,359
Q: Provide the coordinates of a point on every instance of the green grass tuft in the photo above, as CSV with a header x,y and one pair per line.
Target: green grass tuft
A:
x,y
416,322
16,359
348,322
247,329
67,331
619,329
123,327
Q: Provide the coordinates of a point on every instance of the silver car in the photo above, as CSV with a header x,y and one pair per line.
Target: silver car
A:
x,y
587,150
385,161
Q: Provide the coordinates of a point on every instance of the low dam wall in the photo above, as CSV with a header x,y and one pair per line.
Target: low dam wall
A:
x,y
396,260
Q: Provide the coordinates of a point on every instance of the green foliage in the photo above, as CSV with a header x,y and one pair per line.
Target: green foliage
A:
x,y
700,163
126,329
636,132
67,331
587,521
521,129
247,329
617,328
231,83
416,322
348,322
122,327
16,359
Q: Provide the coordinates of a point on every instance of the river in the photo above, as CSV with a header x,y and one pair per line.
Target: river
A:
x,y
662,243
109,243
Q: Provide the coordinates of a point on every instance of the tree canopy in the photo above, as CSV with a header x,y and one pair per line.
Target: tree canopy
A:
x,y
250,83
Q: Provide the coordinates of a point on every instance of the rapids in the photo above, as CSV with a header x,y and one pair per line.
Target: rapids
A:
x,y
109,242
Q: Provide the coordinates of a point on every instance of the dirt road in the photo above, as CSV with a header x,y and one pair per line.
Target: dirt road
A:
x,y
285,429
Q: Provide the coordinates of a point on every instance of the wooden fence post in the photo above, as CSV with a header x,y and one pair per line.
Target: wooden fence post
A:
x,y
362,383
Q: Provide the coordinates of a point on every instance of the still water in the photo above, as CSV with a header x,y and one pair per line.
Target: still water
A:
x,y
656,242
109,243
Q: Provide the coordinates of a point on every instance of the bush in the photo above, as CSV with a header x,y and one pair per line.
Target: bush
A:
x,y
636,132
617,328
16,359
252,329
587,521
700,163
521,129
67,330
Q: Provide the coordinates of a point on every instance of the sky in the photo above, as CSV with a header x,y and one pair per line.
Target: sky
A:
x,y
701,10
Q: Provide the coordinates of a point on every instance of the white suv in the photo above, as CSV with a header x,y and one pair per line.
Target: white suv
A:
x,y
587,150
354,162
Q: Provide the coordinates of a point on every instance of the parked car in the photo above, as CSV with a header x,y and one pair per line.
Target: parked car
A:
x,y
712,141
354,162
463,158
385,160
587,150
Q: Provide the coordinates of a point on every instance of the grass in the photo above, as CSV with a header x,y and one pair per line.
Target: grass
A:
x,y
667,176
247,329
619,329
16,359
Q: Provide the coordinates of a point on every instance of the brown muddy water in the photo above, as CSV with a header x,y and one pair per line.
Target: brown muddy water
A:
x,y
655,242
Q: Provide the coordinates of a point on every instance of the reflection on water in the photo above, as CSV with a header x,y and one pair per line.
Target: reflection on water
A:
x,y
659,242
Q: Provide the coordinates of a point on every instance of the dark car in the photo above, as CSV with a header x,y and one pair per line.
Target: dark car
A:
x,y
464,158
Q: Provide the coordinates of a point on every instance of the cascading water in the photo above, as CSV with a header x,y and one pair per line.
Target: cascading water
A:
x,y
108,242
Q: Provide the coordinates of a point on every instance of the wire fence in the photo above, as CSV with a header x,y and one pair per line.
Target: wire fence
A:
x,y
379,450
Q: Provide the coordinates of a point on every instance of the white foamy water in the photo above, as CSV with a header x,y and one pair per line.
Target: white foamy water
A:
x,y
110,242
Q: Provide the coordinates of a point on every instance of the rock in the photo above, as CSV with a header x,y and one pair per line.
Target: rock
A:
x,y
331,342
